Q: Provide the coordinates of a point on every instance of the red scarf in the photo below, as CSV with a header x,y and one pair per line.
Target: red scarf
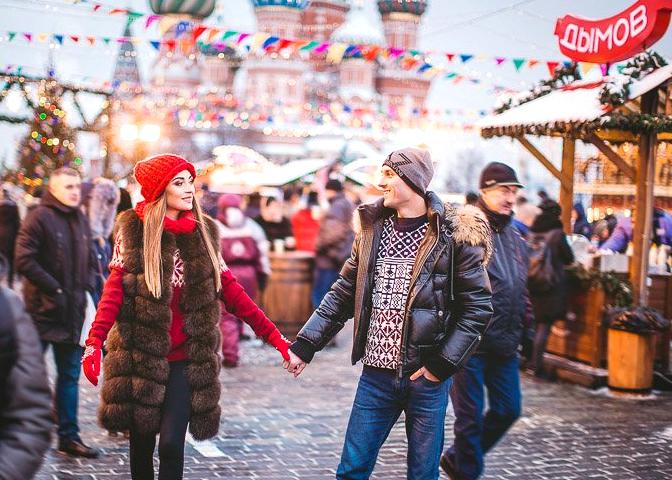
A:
x,y
185,223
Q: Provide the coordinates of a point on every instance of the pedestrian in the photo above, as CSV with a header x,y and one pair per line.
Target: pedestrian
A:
x,y
276,226
334,240
495,364
101,209
549,296
416,286
524,216
10,222
244,249
622,233
25,400
158,319
580,224
54,256
306,224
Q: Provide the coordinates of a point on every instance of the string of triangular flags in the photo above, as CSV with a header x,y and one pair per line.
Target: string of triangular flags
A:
x,y
334,51
260,43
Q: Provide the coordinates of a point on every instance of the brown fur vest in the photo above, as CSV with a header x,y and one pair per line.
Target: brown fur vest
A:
x,y
136,368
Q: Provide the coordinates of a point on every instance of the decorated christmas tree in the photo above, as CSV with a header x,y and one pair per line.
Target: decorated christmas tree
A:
x,y
50,143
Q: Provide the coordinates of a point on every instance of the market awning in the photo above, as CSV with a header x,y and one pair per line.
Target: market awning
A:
x,y
574,104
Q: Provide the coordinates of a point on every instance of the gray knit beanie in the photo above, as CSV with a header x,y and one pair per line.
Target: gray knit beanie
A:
x,y
414,166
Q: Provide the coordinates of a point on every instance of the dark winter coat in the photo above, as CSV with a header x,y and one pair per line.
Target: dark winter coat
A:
x,y
136,368
448,307
9,228
334,241
53,250
507,271
25,421
552,305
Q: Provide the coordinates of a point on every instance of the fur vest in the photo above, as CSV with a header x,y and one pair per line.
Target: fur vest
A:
x,y
136,368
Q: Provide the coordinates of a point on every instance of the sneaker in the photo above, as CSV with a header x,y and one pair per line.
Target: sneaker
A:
x,y
448,467
76,448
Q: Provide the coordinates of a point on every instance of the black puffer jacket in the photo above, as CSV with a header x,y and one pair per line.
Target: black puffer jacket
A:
x,y
448,307
25,421
508,276
53,250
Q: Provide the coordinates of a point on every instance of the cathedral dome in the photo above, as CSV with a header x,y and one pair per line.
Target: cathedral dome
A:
x,y
358,29
194,8
415,7
298,4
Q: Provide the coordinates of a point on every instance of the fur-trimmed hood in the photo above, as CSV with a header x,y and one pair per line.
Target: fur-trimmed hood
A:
x,y
102,207
467,224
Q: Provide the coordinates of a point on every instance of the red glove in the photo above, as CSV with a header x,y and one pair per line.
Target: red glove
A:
x,y
91,363
280,343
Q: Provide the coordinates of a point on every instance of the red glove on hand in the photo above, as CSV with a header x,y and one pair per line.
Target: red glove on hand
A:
x,y
91,363
280,343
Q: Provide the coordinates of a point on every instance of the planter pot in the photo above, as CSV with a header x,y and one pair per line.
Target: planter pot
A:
x,y
630,361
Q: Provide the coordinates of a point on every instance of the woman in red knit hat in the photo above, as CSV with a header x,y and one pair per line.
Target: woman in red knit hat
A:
x,y
158,318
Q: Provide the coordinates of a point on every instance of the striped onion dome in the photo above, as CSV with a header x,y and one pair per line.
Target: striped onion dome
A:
x,y
416,7
298,4
195,8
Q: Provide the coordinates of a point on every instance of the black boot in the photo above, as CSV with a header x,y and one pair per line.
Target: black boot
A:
x,y
76,448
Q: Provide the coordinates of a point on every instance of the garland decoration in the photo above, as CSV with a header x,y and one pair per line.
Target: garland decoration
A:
x,y
618,291
617,90
564,75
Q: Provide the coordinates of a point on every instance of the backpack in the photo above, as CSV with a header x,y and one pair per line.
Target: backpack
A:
x,y
541,276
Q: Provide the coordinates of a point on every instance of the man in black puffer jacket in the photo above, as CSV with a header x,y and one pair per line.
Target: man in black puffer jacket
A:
x,y
495,364
419,293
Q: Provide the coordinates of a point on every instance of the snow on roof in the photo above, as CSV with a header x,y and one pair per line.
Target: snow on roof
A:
x,y
358,29
575,103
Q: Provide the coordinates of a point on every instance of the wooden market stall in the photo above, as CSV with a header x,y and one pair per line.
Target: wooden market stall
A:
x,y
587,111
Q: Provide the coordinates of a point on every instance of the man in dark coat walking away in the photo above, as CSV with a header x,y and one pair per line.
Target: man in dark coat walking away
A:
x,y
549,298
25,401
54,255
334,241
495,364
416,286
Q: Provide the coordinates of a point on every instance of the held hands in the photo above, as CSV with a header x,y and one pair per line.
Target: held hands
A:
x,y
280,343
295,365
426,373
91,363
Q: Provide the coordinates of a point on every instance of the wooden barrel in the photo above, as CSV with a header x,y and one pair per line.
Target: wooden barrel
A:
x,y
286,299
630,361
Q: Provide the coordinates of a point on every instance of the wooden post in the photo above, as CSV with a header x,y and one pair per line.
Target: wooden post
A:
x,y
567,187
641,231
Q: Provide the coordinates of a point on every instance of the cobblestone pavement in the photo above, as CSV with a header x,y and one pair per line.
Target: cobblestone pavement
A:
x,y
276,427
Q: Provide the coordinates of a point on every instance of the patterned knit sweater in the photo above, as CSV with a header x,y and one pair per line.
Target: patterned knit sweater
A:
x,y
392,277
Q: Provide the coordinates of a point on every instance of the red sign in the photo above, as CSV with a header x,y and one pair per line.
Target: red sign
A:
x,y
615,38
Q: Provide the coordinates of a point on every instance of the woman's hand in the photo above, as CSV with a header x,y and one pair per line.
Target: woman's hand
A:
x,y
280,343
91,363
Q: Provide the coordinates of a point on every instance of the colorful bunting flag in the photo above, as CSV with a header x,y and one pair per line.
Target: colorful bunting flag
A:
x,y
450,56
11,35
466,58
156,44
58,38
151,19
500,60
517,63
551,67
335,52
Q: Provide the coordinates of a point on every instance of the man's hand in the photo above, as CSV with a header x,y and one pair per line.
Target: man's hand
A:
x,y
426,373
295,365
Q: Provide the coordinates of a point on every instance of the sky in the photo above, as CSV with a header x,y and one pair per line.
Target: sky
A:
x,y
504,28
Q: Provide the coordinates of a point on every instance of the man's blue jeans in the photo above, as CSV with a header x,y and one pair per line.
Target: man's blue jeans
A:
x,y
381,397
476,433
68,357
324,279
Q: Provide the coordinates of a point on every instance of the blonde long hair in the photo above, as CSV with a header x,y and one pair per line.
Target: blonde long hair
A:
x,y
153,229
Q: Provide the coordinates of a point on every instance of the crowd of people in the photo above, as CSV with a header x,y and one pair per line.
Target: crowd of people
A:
x,y
446,301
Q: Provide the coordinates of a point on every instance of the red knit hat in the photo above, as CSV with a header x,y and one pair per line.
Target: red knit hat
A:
x,y
154,173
